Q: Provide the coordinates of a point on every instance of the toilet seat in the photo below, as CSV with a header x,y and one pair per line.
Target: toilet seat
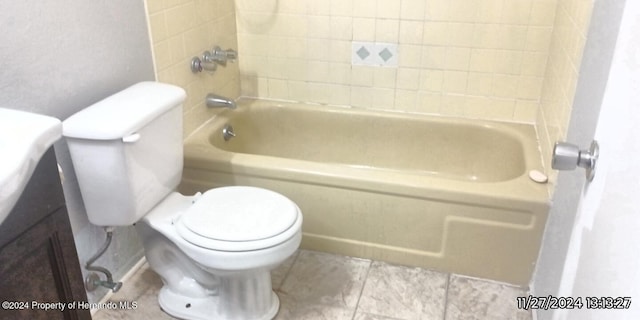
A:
x,y
239,219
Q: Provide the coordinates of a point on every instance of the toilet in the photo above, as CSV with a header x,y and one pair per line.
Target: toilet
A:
x,y
214,250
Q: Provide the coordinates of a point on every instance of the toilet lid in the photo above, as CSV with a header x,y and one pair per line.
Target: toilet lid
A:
x,y
240,214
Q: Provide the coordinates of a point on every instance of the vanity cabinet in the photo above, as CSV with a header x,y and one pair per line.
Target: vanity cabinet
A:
x,y
38,259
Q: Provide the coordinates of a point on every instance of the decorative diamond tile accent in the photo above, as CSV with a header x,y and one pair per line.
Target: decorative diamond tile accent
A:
x,y
385,54
363,53
374,54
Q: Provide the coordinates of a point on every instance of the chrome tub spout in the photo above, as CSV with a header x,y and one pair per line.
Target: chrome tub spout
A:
x,y
216,101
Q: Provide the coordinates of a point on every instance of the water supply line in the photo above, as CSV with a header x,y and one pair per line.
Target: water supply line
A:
x,y
93,280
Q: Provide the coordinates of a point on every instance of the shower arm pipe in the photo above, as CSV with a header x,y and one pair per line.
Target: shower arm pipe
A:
x,y
88,265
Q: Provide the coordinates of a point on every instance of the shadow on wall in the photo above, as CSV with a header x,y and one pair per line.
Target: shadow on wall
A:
x,y
250,84
94,49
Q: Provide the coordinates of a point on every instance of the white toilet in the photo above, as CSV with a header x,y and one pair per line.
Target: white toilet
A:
x,y
214,251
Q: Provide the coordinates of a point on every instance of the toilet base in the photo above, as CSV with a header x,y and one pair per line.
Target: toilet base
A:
x,y
205,308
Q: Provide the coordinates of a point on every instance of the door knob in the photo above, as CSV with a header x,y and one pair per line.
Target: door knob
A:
x,y
567,156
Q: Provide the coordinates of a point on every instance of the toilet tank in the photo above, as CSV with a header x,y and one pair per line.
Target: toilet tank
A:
x,y
126,151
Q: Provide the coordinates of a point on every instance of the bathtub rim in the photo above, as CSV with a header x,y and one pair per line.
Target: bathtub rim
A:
x,y
200,154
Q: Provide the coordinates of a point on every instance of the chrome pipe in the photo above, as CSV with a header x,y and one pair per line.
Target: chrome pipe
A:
x,y
93,281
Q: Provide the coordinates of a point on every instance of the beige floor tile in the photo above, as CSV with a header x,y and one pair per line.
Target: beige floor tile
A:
x,y
324,279
278,274
317,286
367,316
473,299
403,292
147,308
291,309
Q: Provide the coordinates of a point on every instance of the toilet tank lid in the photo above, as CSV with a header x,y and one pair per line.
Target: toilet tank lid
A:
x,y
123,113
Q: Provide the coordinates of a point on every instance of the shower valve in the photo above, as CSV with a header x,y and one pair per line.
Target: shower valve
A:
x,y
210,60
198,64
222,56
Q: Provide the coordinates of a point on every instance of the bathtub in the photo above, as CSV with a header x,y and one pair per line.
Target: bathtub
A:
x,y
441,193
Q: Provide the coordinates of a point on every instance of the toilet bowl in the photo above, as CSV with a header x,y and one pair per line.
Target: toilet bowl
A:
x,y
214,251
234,240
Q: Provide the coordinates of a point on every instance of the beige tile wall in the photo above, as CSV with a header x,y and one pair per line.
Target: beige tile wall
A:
x,y
561,77
472,58
182,29
499,59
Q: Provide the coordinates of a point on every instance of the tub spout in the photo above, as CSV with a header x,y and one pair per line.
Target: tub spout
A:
x,y
216,101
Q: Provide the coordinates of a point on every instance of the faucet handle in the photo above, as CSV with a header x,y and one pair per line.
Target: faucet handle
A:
x,y
222,56
206,63
210,60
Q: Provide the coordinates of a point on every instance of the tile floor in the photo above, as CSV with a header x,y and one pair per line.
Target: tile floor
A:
x,y
316,285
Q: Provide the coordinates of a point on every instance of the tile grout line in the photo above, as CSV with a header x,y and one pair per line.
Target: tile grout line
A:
x,y
446,297
286,274
364,283
138,275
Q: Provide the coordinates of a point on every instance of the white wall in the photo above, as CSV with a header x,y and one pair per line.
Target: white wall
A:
x,y
589,95
591,243
57,57
603,258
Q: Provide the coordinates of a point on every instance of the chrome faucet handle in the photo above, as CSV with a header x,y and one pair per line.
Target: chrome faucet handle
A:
x,y
210,59
222,56
205,63
227,132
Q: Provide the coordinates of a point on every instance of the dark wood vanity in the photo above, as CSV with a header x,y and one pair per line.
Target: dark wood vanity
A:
x,y
38,259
